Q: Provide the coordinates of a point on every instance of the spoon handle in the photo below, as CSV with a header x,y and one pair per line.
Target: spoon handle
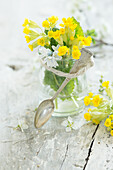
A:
x,y
85,56
63,84
61,87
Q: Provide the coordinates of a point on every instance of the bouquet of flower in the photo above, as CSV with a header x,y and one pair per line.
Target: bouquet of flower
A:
x,y
57,46
103,107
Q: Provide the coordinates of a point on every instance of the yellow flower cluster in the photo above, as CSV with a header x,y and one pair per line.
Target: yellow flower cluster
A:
x,y
84,41
87,116
102,108
68,23
50,22
53,19
93,101
32,35
26,21
55,35
31,47
109,123
41,41
90,94
63,50
96,100
76,52
87,100
26,30
105,84
46,24
27,38
62,31
65,36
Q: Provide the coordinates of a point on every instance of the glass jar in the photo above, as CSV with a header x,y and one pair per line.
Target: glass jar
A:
x,y
70,100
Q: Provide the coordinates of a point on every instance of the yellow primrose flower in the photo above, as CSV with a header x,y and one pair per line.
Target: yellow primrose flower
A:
x,y
26,30
75,47
27,38
62,50
73,26
53,19
72,38
50,34
111,125
41,41
105,84
89,110
96,100
87,41
87,116
107,122
56,34
62,30
68,21
80,38
62,25
31,47
47,44
111,117
76,54
96,121
87,100
111,132
45,24
64,20
90,94
25,22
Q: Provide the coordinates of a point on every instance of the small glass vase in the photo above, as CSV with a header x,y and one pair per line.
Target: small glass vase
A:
x,y
70,100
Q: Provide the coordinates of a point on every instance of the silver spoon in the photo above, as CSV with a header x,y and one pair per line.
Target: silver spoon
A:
x,y
46,108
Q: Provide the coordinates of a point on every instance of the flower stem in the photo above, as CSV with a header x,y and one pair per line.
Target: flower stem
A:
x,y
75,102
56,80
56,103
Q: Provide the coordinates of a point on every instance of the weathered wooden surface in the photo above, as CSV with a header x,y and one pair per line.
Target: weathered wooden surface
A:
x,y
88,147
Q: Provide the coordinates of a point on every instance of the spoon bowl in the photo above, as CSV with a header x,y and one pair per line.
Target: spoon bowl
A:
x,y
43,113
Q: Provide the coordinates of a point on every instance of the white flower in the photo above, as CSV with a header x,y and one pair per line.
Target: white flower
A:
x,y
44,52
55,48
56,56
51,62
69,124
55,53
50,58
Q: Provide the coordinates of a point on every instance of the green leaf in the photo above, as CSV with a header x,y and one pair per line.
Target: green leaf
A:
x,y
91,33
101,80
55,29
78,29
46,32
93,41
53,42
55,81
